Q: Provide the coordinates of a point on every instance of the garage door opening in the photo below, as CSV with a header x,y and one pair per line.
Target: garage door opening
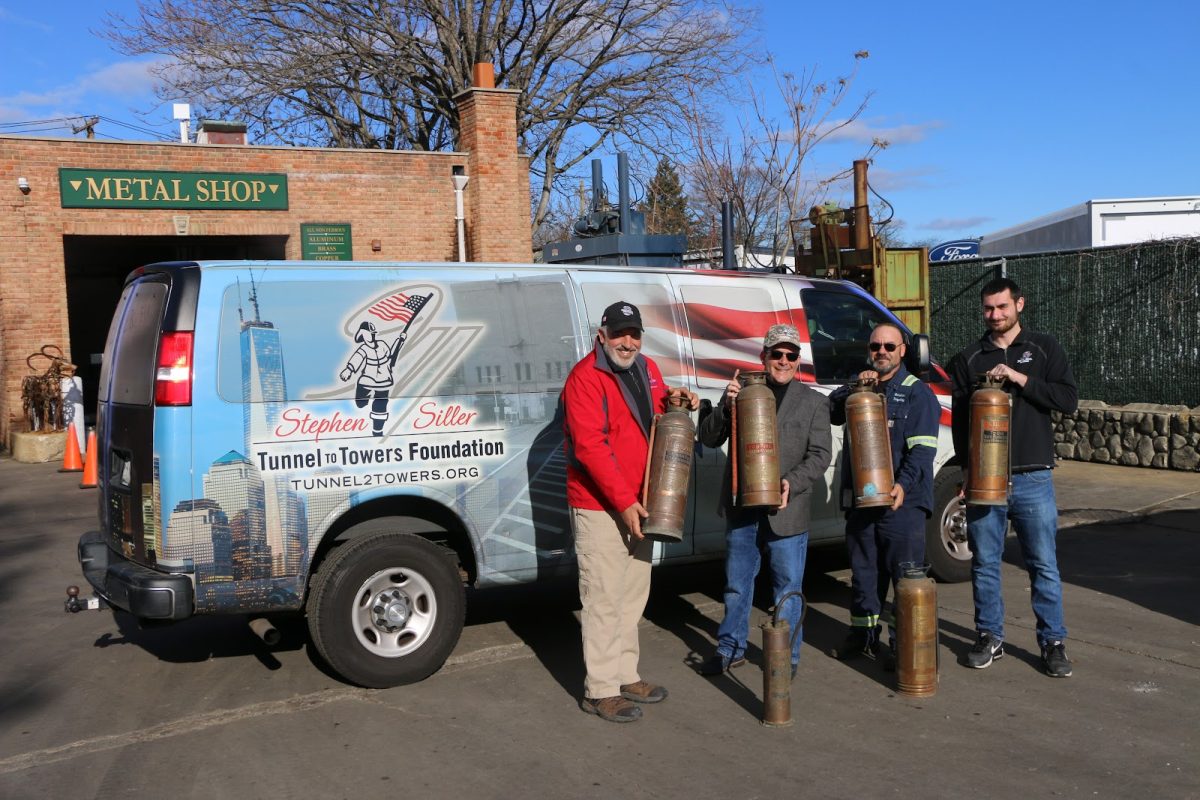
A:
x,y
96,267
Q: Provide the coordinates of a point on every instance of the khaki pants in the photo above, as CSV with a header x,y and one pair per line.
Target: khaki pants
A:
x,y
613,587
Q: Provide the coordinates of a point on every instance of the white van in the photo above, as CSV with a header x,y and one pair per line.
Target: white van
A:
x,y
358,441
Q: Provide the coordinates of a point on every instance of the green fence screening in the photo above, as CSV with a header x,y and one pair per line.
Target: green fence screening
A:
x,y
1128,317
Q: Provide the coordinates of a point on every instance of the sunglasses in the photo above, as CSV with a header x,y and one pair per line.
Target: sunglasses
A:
x,y
778,355
877,346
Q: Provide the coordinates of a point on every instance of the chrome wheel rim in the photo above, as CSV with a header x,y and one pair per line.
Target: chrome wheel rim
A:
x,y
394,612
954,529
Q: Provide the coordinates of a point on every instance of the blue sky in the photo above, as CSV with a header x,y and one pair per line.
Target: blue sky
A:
x,y
996,113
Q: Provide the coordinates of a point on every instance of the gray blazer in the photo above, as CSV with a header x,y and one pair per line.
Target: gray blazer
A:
x,y
805,450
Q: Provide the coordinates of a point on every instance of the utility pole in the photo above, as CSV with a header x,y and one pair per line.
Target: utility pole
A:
x,y
87,124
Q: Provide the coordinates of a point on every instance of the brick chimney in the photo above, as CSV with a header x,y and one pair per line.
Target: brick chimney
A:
x,y
217,131
497,195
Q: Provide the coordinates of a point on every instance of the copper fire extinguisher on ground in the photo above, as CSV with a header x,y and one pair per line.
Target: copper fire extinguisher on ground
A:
x,y
988,465
777,663
870,445
668,472
754,447
916,631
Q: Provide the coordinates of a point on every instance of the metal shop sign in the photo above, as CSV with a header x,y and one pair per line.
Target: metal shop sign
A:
x,y
118,188
325,242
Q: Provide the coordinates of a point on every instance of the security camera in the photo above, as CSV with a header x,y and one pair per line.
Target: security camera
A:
x,y
23,185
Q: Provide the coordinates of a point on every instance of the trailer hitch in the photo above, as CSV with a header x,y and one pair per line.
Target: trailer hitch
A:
x,y
75,604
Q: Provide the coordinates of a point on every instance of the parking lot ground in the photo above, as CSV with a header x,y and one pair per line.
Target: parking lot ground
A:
x,y
93,706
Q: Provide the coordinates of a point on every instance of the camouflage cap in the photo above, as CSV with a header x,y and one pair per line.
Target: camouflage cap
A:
x,y
781,334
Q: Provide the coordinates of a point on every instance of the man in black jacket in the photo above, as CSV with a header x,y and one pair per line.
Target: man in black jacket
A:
x,y
1036,373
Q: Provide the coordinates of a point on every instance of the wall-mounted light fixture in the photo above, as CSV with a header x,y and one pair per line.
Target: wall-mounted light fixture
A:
x,y
23,185
458,174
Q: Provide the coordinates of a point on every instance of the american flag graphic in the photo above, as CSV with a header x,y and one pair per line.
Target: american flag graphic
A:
x,y
400,307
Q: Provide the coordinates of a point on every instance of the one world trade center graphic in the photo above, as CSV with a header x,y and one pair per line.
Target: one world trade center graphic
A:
x,y
264,395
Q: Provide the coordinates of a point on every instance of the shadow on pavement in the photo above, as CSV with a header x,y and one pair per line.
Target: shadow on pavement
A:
x,y
1149,562
197,639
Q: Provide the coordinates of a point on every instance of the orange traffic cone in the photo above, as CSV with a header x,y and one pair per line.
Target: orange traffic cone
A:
x,y
72,459
89,467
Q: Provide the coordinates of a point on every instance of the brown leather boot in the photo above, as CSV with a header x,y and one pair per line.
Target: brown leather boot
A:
x,y
613,709
642,692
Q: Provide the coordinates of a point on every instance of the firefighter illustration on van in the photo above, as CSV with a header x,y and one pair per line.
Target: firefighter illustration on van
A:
x,y
375,359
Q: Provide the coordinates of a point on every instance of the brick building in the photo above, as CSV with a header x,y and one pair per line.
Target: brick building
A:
x,y
78,215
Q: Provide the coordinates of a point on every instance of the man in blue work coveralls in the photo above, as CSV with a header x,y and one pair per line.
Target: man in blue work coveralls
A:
x,y
882,538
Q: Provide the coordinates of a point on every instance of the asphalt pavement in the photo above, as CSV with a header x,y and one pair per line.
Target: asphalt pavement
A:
x,y
94,706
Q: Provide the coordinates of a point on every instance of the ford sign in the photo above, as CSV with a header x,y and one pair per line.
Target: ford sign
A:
x,y
955,250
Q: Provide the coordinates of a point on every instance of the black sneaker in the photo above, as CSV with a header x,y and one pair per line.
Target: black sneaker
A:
x,y
1055,661
718,664
986,650
858,642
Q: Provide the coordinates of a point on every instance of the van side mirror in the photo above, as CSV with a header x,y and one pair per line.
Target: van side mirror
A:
x,y
918,360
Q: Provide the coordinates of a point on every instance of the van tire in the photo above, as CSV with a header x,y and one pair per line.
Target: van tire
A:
x,y
386,609
946,547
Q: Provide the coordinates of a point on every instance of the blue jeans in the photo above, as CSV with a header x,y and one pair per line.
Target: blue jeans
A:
x,y
744,545
1034,515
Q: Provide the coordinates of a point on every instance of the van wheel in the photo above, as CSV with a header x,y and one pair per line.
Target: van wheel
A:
x,y
946,547
386,609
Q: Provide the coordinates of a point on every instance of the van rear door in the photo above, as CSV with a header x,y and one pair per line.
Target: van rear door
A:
x,y
149,306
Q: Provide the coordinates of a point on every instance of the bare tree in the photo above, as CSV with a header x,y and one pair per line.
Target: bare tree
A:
x,y
763,173
383,73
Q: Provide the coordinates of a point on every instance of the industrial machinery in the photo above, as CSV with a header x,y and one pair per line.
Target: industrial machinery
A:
x,y
841,243
604,235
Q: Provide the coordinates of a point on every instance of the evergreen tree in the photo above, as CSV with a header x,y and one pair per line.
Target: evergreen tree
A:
x,y
666,206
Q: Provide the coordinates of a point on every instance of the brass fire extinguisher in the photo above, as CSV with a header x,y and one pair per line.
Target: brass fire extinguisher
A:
x,y
916,632
870,445
668,472
988,465
754,447
777,663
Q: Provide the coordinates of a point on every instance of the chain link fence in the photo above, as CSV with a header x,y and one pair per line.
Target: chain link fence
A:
x,y
1128,317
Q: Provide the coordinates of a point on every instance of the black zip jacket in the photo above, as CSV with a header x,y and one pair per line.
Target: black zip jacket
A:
x,y
1051,387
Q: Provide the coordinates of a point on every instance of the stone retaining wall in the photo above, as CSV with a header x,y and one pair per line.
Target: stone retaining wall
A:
x,y
1137,435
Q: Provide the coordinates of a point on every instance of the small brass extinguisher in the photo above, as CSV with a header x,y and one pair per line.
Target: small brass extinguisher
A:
x,y
777,663
989,444
754,447
916,631
870,445
668,472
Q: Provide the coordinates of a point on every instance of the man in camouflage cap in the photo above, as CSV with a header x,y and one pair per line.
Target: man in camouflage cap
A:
x,y
805,449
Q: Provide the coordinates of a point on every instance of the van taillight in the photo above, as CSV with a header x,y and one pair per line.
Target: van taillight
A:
x,y
173,379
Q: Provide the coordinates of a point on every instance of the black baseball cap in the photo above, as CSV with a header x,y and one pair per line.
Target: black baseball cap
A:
x,y
621,315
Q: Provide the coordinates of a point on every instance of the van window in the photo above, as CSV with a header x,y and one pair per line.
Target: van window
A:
x,y
131,352
839,327
459,337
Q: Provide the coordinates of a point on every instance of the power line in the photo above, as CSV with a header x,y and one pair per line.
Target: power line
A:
x,y
78,124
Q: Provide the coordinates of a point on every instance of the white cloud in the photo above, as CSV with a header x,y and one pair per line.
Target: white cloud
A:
x,y
124,79
23,22
865,131
955,223
883,179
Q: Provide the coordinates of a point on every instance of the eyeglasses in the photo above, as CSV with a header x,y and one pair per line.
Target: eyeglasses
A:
x,y
778,355
877,346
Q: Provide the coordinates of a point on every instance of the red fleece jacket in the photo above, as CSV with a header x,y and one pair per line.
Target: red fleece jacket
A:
x,y
606,445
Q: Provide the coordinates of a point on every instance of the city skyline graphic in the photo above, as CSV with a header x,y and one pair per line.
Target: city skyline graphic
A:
x,y
248,536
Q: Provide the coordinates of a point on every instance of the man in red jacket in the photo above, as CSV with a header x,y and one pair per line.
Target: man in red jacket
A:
x,y
610,399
